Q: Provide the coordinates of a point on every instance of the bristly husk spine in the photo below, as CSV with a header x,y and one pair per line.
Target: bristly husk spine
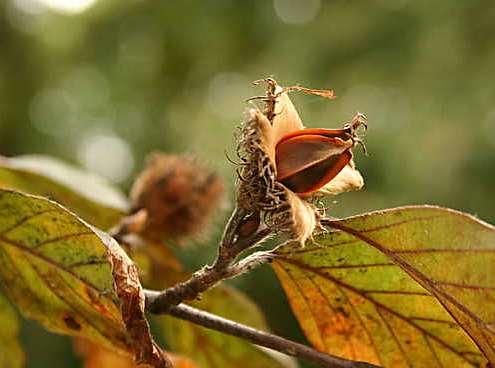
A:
x,y
258,189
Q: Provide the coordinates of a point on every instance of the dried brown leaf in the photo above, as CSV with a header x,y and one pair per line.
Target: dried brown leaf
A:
x,y
132,299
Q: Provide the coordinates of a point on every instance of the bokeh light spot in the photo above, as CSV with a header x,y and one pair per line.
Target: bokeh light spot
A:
x,y
107,155
226,94
50,111
68,6
31,7
297,11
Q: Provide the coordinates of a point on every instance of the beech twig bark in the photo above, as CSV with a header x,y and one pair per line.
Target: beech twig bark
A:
x,y
224,267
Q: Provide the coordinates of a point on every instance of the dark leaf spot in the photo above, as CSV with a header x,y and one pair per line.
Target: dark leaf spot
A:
x,y
71,323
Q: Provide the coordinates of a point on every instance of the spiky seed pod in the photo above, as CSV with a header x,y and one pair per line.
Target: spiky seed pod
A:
x,y
284,164
179,196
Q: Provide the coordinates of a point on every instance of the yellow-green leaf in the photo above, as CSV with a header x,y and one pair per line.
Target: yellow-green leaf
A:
x,y
90,196
406,287
11,354
71,277
212,349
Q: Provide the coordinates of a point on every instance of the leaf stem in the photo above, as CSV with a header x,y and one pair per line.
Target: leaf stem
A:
x,y
258,337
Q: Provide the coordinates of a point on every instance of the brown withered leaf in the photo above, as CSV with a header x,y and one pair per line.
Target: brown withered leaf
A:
x,y
131,294
71,277
405,287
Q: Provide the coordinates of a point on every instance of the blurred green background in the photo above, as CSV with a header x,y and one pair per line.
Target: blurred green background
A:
x,y
101,83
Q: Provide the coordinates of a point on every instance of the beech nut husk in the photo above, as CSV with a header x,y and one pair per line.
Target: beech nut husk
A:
x,y
284,165
175,197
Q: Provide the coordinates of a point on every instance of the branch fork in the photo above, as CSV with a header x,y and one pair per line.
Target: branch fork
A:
x,y
235,240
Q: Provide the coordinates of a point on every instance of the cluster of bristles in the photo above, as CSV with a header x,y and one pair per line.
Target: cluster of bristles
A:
x,y
259,191
177,196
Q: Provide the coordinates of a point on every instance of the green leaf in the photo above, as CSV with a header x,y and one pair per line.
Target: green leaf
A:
x,y
71,277
90,196
406,287
212,349
11,354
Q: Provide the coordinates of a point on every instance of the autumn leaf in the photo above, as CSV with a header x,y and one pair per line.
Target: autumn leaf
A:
x,y
212,349
406,287
132,305
71,277
91,197
180,361
97,356
11,354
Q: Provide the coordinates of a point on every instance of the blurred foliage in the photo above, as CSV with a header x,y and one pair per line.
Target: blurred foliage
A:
x,y
104,87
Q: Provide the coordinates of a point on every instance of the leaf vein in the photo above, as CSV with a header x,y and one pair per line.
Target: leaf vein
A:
x,y
25,219
320,291
394,336
433,352
48,261
362,323
305,300
421,279
66,301
62,238
382,306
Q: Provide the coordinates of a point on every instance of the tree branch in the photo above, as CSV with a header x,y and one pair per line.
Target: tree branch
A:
x,y
258,337
242,231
